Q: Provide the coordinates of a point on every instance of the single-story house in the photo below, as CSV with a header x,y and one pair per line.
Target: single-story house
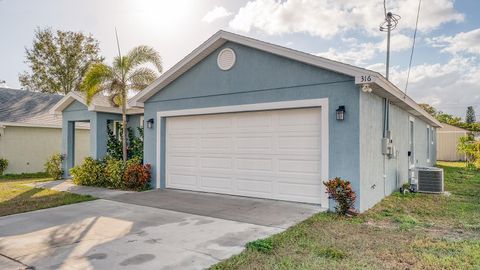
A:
x,y
29,134
244,117
448,137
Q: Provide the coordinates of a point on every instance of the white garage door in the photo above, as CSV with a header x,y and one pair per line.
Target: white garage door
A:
x,y
267,154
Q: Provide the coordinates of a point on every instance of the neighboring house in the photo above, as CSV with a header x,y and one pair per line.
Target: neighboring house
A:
x,y
448,137
29,134
243,117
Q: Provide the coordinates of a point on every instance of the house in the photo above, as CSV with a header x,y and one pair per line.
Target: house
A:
x,y
99,114
244,117
448,137
29,134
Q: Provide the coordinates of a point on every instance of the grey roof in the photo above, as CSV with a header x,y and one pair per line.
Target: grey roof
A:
x,y
27,107
98,100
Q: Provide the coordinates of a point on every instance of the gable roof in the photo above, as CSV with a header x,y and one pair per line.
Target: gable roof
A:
x,y
27,108
378,83
100,103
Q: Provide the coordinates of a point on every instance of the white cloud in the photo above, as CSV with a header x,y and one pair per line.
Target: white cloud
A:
x,y
327,18
215,14
450,87
357,55
468,42
360,53
398,42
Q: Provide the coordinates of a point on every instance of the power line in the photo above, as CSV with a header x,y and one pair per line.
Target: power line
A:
x,y
413,45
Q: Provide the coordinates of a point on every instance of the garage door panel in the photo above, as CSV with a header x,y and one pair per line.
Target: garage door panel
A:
x,y
254,164
310,143
216,143
253,143
216,163
266,154
216,184
183,161
254,186
179,143
295,166
183,180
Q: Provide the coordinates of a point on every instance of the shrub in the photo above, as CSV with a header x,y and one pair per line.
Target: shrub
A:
x,y
53,166
341,191
3,165
114,172
261,245
137,176
89,173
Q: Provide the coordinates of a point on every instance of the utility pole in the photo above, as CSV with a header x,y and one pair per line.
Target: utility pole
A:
x,y
389,30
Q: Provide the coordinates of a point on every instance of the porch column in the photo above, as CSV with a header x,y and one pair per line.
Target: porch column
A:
x,y
68,146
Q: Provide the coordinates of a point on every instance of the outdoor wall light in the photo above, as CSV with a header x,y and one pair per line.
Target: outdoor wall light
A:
x,y
340,113
150,123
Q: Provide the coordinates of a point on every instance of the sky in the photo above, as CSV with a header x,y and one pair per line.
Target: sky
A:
x,y
445,68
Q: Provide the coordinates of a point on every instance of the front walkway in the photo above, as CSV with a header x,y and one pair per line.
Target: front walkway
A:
x,y
69,186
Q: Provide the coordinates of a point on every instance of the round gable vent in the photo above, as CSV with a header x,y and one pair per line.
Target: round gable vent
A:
x,y
226,59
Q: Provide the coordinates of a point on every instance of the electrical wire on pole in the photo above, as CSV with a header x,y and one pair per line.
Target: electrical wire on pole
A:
x,y
413,46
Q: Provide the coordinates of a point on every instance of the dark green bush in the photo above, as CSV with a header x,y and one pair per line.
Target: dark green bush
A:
x,y
3,165
261,245
90,173
53,166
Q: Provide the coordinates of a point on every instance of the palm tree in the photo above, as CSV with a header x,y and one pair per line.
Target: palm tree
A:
x,y
127,73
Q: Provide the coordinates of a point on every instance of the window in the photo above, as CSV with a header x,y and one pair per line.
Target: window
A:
x,y
428,143
142,119
117,125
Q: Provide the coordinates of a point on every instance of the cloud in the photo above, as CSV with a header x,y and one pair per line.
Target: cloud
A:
x,y
464,42
361,53
450,87
357,55
215,14
327,18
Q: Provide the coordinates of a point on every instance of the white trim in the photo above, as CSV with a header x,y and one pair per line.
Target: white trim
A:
x,y
429,134
411,135
219,60
11,124
61,105
322,103
221,37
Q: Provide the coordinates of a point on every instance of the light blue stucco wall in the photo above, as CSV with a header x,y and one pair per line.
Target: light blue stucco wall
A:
x,y
78,112
376,181
259,77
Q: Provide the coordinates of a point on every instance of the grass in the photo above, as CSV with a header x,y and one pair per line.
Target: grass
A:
x,y
17,197
413,231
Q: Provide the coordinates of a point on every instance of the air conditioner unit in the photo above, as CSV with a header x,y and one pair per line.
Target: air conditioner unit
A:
x,y
429,179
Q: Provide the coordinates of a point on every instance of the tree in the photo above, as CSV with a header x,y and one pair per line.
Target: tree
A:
x,y
470,117
58,61
127,73
429,109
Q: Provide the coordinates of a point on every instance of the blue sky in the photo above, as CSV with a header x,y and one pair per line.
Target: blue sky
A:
x,y
446,66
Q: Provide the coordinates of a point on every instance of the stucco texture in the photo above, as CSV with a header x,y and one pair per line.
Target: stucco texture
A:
x,y
28,148
259,77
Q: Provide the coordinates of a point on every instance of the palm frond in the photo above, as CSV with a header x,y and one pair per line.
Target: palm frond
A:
x,y
97,76
141,78
143,55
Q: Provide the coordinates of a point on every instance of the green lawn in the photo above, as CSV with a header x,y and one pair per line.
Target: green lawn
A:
x,y
16,197
415,231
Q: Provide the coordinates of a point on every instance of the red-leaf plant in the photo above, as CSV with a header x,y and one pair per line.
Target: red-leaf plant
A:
x,y
341,191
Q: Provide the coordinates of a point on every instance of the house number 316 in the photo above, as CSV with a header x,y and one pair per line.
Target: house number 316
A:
x,y
366,78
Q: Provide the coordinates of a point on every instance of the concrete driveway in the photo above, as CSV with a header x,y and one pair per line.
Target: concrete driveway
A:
x,y
149,230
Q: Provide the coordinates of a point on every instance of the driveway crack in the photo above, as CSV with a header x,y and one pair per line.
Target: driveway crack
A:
x,y
29,267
